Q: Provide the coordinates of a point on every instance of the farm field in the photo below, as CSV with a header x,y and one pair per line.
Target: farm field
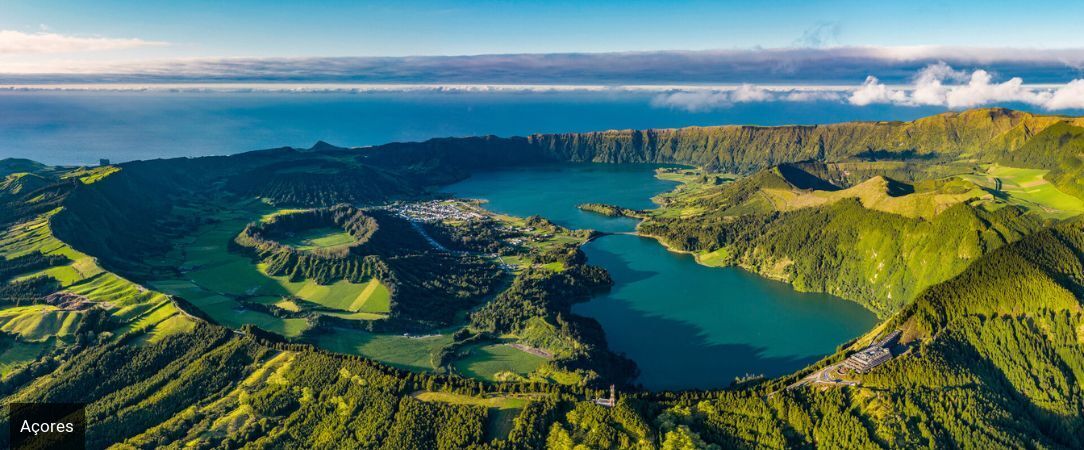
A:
x,y
404,352
1028,188
320,238
486,361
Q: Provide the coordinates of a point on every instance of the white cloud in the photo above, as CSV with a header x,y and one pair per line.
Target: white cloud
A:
x,y
929,89
1070,96
701,100
749,93
873,91
19,43
941,85
980,91
693,101
812,96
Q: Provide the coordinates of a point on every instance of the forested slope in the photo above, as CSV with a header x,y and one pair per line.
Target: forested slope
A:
x,y
984,133
995,362
987,291
879,244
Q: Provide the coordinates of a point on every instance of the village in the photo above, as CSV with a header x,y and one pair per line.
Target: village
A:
x,y
435,211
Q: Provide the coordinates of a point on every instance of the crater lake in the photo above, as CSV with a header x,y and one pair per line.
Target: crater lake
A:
x,y
686,325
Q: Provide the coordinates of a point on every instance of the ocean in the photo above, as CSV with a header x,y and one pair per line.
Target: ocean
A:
x,y
80,127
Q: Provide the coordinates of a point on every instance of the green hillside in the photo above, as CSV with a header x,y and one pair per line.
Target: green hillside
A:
x,y
983,133
879,243
233,302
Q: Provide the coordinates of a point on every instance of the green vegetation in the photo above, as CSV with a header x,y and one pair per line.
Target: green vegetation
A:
x,y
494,361
119,288
610,210
502,409
320,238
421,284
405,352
1029,188
879,243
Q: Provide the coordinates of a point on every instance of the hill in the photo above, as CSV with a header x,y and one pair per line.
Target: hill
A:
x,y
10,166
983,133
880,242
961,230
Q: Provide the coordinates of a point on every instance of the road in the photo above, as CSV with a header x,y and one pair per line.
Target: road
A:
x,y
418,227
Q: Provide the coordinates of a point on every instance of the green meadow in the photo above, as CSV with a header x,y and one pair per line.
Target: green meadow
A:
x,y
320,238
37,326
14,353
486,361
1029,188
404,352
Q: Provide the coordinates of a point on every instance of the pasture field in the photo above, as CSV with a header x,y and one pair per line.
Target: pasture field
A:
x,y
486,361
320,238
715,258
375,298
369,297
1029,188
15,353
39,322
125,301
554,266
404,352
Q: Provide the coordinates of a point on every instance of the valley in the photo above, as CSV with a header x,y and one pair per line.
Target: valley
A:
x,y
296,298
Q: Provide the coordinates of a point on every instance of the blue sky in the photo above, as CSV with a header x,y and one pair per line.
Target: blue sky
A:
x,y
340,28
704,55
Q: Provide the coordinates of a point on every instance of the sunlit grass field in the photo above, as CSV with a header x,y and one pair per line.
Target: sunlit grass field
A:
x,y
1029,188
486,361
404,352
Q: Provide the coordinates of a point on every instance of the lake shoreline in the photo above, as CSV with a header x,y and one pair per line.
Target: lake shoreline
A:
x,y
696,257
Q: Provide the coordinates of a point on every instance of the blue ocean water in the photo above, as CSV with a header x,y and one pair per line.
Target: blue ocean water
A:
x,y
79,127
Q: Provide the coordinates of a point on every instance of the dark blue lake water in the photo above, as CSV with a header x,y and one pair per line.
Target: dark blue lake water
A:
x,y
687,326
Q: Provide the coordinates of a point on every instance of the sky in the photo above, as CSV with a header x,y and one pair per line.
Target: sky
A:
x,y
956,54
248,28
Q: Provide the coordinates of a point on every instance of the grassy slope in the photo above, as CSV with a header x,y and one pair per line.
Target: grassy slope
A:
x,y
321,238
411,353
487,361
126,302
999,365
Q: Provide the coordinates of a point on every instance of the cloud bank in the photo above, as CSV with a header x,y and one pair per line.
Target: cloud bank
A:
x,y
941,85
949,77
934,85
19,43
799,65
